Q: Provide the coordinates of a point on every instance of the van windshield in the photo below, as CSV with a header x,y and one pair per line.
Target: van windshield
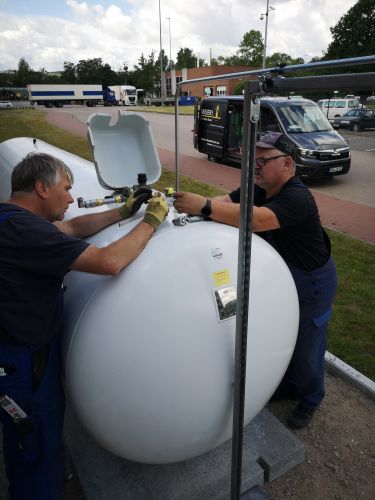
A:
x,y
297,118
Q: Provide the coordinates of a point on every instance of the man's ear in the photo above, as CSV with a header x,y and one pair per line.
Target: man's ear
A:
x,y
41,190
289,163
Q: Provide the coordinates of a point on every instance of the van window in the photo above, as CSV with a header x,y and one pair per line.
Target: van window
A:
x,y
353,104
268,121
303,118
338,104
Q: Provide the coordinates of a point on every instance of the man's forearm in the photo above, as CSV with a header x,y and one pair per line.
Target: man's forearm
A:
x,y
110,260
227,213
86,225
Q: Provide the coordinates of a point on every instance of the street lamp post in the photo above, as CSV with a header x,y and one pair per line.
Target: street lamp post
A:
x,y
269,7
170,44
161,60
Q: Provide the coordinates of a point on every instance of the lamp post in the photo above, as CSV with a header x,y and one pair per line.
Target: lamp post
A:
x,y
161,60
170,44
269,7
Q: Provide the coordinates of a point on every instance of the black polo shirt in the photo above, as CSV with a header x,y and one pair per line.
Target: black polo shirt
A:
x,y
300,240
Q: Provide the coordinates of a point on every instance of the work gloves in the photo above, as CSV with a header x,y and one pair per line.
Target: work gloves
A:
x,y
134,202
156,211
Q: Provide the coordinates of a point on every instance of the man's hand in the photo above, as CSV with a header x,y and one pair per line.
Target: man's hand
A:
x,y
189,203
156,211
134,202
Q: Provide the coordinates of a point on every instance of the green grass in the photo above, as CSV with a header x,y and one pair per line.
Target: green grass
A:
x,y
351,330
182,110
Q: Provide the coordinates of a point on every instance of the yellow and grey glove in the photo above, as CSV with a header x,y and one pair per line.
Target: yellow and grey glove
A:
x,y
134,202
156,211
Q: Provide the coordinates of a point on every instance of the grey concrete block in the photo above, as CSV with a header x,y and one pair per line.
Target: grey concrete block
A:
x,y
104,476
278,449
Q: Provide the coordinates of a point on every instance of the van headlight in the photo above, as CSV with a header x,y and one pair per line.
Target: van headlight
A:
x,y
307,153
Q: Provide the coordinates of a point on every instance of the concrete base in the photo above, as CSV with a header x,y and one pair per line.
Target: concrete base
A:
x,y
269,450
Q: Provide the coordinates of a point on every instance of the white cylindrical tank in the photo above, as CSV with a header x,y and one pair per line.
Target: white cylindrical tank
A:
x,y
149,357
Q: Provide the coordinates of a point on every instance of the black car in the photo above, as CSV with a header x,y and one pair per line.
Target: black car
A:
x,y
356,119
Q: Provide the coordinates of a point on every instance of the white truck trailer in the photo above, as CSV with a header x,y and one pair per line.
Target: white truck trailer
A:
x,y
57,95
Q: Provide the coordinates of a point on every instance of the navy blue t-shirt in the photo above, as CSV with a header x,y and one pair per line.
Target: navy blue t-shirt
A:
x,y
34,257
300,240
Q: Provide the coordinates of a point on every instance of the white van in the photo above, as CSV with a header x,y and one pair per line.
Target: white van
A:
x,y
337,107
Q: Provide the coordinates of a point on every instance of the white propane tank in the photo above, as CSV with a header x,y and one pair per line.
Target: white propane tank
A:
x,y
149,354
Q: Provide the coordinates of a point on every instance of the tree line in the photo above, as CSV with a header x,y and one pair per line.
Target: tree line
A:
x,y
352,36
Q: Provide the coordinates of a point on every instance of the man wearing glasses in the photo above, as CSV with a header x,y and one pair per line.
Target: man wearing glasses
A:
x,y
285,214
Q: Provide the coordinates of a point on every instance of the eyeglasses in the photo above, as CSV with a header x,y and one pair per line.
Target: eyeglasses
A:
x,y
260,162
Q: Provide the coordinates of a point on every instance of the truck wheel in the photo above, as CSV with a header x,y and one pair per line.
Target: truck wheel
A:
x,y
213,158
49,104
356,127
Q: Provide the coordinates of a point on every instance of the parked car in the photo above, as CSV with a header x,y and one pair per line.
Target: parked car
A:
x,y
356,119
337,107
6,104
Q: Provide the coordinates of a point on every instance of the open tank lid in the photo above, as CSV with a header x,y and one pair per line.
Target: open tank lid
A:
x,y
123,150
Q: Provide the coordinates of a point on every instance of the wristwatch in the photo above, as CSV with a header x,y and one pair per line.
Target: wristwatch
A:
x,y
206,210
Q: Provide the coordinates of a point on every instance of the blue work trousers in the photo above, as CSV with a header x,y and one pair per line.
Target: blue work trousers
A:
x,y
33,451
304,377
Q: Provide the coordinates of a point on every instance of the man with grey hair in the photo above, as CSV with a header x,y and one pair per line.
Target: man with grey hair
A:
x,y
37,249
285,214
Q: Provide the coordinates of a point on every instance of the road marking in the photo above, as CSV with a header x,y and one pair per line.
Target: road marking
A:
x,y
369,150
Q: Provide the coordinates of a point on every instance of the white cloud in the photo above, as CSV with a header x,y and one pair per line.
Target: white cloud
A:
x,y
124,30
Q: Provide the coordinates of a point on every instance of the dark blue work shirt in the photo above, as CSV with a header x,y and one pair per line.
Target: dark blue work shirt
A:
x,y
34,257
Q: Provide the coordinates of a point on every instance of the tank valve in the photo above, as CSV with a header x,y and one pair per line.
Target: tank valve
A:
x,y
183,220
97,202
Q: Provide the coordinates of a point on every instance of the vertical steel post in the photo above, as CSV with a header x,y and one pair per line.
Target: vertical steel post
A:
x,y
161,60
250,118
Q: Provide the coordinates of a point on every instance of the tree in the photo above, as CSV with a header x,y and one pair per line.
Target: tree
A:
x,y
23,73
69,73
250,52
186,59
94,71
281,58
354,34
145,74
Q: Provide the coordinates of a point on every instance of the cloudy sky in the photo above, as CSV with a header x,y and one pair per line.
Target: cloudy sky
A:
x,y
48,32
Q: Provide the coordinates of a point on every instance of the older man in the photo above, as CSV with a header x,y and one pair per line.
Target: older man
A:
x,y
285,214
37,249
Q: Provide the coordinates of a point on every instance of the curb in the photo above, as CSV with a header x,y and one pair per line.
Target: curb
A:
x,y
338,367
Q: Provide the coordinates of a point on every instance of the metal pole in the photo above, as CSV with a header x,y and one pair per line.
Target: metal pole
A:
x,y
176,137
170,45
161,60
250,118
265,36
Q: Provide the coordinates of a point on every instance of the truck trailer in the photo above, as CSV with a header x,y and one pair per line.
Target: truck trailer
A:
x,y
57,95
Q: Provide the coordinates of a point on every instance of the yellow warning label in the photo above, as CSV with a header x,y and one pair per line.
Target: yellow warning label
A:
x,y
221,278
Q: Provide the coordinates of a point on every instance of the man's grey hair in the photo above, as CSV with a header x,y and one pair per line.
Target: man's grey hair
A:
x,y
38,167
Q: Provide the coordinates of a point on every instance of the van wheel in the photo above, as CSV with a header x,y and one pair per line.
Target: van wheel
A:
x,y
356,127
213,158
